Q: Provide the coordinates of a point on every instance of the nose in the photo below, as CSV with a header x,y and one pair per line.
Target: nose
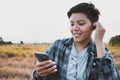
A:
x,y
76,27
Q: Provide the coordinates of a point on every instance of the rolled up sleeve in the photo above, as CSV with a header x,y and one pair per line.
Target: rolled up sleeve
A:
x,y
106,67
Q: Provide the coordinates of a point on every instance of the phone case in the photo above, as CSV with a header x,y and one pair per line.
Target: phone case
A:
x,y
41,56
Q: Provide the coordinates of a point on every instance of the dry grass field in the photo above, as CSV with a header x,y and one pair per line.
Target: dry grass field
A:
x,y
116,53
17,61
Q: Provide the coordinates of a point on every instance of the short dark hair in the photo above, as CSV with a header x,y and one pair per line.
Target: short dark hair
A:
x,y
88,9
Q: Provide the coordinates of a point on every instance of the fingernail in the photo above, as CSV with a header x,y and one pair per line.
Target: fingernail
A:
x,y
53,62
54,66
50,60
55,69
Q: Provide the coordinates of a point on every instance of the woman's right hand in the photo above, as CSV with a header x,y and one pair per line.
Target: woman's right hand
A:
x,y
45,68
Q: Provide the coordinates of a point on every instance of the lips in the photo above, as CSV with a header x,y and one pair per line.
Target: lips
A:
x,y
77,34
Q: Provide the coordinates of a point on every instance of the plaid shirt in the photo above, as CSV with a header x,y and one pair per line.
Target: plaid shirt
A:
x,y
97,68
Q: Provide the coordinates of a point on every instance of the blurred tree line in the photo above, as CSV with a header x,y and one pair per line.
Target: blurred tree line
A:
x,y
115,41
4,42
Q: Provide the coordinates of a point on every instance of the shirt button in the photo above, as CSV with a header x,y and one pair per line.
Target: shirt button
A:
x,y
74,76
94,64
91,53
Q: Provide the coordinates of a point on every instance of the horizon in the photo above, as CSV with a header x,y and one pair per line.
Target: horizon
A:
x,y
33,42
46,21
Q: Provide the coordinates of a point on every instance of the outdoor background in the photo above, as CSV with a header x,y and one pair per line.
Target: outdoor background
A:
x,y
32,25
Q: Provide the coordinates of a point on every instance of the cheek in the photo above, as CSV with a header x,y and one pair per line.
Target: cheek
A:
x,y
70,29
86,29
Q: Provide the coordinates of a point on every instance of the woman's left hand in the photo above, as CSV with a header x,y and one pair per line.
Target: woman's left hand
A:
x,y
99,33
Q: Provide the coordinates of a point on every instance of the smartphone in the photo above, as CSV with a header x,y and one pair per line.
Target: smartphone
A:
x,y
41,56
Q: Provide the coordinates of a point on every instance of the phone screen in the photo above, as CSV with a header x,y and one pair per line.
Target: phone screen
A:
x,y
41,56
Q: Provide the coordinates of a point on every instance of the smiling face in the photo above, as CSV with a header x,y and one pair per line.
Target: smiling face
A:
x,y
81,27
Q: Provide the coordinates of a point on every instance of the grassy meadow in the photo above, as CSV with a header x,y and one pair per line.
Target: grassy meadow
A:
x,y
116,53
17,61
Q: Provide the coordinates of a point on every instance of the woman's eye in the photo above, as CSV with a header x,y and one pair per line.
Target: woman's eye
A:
x,y
81,24
72,24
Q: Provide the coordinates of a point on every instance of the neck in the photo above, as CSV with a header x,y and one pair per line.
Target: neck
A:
x,y
79,46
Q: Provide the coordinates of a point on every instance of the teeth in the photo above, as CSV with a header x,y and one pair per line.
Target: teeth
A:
x,y
76,34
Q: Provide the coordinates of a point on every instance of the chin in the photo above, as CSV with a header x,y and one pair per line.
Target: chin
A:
x,y
78,40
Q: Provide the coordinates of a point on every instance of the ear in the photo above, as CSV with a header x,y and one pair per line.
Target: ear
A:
x,y
94,26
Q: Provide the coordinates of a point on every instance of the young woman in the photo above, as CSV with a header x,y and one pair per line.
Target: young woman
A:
x,y
79,57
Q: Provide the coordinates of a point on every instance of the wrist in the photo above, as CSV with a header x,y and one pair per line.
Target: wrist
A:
x,y
98,42
100,49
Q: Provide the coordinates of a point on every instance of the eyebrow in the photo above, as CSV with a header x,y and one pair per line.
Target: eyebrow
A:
x,y
79,21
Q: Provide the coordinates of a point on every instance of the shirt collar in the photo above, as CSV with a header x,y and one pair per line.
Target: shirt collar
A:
x,y
91,45
68,41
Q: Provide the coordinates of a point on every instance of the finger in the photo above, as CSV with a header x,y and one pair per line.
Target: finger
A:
x,y
100,27
55,70
44,63
48,71
45,67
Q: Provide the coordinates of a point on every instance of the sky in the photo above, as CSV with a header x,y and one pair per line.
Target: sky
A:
x,y
36,21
